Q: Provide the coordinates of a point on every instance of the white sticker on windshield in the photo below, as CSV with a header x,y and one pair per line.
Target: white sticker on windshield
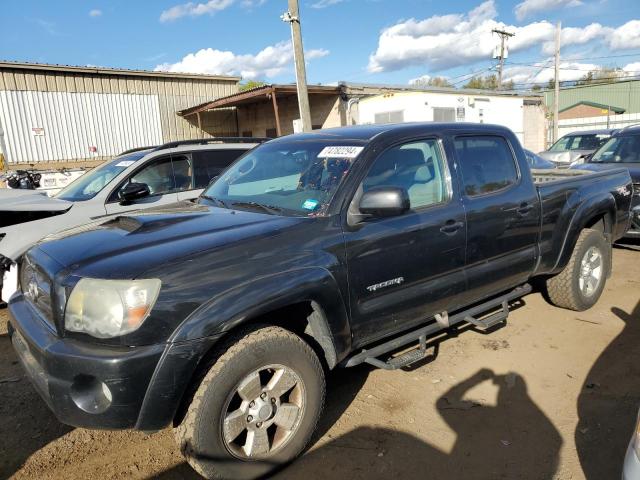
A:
x,y
125,163
340,152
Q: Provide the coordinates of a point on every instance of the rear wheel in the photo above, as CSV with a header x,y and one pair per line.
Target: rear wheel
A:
x,y
256,407
579,286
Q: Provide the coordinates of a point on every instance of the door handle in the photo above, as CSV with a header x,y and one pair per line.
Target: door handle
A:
x,y
524,209
451,227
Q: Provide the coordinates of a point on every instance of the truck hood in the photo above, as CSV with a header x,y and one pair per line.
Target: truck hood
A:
x,y
634,168
113,248
17,200
566,157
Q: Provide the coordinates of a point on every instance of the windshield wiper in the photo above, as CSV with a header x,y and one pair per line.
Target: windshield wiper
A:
x,y
216,200
271,209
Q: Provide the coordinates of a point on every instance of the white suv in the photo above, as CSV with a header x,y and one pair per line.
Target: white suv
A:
x,y
136,179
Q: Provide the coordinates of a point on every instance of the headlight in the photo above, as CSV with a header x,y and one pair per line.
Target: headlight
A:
x,y
110,308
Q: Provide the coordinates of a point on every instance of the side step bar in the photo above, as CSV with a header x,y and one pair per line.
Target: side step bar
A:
x,y
442,322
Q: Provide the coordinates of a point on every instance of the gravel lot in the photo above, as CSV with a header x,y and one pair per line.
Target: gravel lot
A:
x,y
553,395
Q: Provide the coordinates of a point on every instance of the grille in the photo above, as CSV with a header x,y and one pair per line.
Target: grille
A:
x,y
36,287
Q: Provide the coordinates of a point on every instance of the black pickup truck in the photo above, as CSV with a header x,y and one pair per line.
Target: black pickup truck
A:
x,y
335,248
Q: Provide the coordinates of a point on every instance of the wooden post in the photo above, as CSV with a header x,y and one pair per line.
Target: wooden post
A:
x,y
274,101
200,125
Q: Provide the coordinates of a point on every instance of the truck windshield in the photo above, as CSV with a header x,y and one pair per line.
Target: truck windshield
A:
x,y
623,149
579,142
295,177
91,183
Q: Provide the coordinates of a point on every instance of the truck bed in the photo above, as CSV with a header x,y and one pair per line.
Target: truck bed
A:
x,y
563,193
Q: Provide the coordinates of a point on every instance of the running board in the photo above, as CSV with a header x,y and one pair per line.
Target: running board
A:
x,y
472,315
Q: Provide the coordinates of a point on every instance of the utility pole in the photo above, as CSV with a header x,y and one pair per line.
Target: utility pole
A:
x,y
556,95
293,17
504,35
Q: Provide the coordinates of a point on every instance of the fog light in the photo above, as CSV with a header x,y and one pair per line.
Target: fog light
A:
x,y
90,394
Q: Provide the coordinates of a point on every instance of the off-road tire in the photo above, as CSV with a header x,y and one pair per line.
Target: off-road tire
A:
x,y
199,435
563,289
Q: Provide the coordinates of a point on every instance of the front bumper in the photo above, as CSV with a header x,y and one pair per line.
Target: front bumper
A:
x,y
85,385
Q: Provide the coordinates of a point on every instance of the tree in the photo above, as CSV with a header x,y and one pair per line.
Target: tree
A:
x,y
490,82
432,82
601,75
249,84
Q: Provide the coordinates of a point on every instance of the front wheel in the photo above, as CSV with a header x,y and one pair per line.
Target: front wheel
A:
x,y
256,407
579,286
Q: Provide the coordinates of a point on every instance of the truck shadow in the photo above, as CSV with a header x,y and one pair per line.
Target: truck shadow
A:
x,y
608,402
26,423
513,439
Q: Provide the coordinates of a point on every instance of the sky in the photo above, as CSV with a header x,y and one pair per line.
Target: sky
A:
x,y
362,41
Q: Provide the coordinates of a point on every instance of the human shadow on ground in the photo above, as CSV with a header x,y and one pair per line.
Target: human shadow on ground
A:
x,y
608,402
26,423
513,439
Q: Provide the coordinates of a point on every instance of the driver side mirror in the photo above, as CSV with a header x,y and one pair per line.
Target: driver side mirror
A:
x,y
384,202
133,191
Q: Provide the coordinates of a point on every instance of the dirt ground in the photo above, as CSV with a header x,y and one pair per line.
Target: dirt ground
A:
x,y
552,395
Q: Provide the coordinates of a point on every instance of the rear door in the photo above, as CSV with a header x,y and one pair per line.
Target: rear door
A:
x,y
404,269
205,165
503,212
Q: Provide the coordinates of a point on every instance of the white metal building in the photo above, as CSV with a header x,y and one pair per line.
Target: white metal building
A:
x,y
524,115
54,116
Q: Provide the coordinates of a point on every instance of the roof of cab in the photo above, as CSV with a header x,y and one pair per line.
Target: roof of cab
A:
x,y
365,133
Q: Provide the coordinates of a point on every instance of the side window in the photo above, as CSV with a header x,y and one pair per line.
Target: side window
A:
x,y
209,163
182,172
157,174
487,164
418,167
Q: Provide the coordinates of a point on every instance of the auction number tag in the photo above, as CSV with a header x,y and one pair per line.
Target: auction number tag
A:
x,y
340,152
125,163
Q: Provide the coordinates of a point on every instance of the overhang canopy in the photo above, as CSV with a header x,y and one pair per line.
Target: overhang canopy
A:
x,y
601,106
260,94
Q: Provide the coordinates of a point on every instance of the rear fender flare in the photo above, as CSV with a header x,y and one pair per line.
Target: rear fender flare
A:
x,y
591,208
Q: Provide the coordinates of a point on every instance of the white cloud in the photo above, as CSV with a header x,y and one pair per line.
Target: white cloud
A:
x,y
530,7
269,62
632,69
627,36
95,13
194,9
325,3
448,41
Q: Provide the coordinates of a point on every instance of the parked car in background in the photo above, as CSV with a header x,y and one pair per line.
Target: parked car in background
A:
x,y
313,251
576,146
621,150
535,161
136,179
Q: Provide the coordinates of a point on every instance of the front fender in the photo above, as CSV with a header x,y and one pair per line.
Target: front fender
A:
x,y
590,209
231,308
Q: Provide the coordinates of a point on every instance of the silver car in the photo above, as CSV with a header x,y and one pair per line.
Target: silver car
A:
x,y
575,147
137,179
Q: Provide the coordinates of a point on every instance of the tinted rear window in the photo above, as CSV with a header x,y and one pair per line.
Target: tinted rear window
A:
x,y
487,164
209,163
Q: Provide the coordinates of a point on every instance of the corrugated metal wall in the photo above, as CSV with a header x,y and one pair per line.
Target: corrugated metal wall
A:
x,y
624,94
169,94
62,126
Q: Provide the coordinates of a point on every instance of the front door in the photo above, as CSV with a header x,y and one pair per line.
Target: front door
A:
x,y
404,269
503,214
158,175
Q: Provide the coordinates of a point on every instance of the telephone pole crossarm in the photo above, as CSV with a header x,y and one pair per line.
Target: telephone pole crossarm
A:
x,y
504,35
